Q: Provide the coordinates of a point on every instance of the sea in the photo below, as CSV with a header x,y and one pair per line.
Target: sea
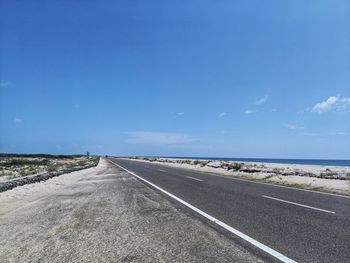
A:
x,y
282,161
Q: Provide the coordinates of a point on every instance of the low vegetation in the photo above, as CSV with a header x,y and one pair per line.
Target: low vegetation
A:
x,y
232,166
243,169
329,175
19,165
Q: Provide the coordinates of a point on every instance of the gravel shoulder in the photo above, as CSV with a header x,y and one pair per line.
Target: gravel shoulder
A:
x,y
103,214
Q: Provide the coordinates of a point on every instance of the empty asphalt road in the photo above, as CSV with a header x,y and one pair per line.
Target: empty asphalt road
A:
x,y
302,225
105,214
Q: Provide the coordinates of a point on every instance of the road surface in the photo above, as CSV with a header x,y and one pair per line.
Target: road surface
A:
x,y
105,214
301,225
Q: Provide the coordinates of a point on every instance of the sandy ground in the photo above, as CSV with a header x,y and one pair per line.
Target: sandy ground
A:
x,y
36,166
305,182
103,214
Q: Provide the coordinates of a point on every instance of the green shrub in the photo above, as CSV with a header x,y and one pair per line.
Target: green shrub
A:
x,y
235,166
150,159
23,172
204,163
276,170
195,162
328,174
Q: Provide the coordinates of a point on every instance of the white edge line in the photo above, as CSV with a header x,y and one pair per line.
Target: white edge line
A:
x,y
252,241
297,204
246,180
189,177
289,187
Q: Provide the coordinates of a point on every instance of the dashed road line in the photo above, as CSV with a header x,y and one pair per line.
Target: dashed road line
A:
x,y
297,204
189,177
234,231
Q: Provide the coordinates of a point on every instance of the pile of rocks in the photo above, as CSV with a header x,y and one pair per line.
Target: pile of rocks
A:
x,y
10,184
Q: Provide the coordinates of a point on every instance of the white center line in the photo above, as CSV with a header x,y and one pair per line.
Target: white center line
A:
x,y
306,206
189,177
234,231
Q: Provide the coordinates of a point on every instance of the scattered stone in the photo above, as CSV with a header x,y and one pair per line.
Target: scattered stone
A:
x,y
38,178
249,170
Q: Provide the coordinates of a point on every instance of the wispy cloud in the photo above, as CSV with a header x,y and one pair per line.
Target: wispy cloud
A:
x,y
4,83
222,114
247,112
293,127
256,104
337,103
261,100
159,138
180,113
338,133
18,120
308,133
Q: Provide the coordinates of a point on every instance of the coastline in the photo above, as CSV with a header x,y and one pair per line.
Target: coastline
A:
x,y
329,179
322,162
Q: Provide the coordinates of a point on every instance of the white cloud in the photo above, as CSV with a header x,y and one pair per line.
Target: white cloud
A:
x,y
261,100
337,102
18,120
159,138
4,83
250,112
293,127
180,113
222,114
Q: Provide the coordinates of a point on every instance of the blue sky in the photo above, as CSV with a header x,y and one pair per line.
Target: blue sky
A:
x,y
182,78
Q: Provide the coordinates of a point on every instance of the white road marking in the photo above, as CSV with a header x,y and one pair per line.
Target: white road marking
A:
x,y
234,231
306,206
194,178
162,170
254,182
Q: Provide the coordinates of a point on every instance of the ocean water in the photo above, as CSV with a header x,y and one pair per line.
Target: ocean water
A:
x,y
285,161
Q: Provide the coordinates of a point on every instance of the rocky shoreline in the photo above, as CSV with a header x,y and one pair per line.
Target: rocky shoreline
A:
x,y
324,172
331,179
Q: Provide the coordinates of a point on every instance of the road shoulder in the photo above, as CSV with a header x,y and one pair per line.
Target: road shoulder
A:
x,y
106,215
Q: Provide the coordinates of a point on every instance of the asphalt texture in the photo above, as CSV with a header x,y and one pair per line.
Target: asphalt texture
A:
x,y
298,232
104,214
